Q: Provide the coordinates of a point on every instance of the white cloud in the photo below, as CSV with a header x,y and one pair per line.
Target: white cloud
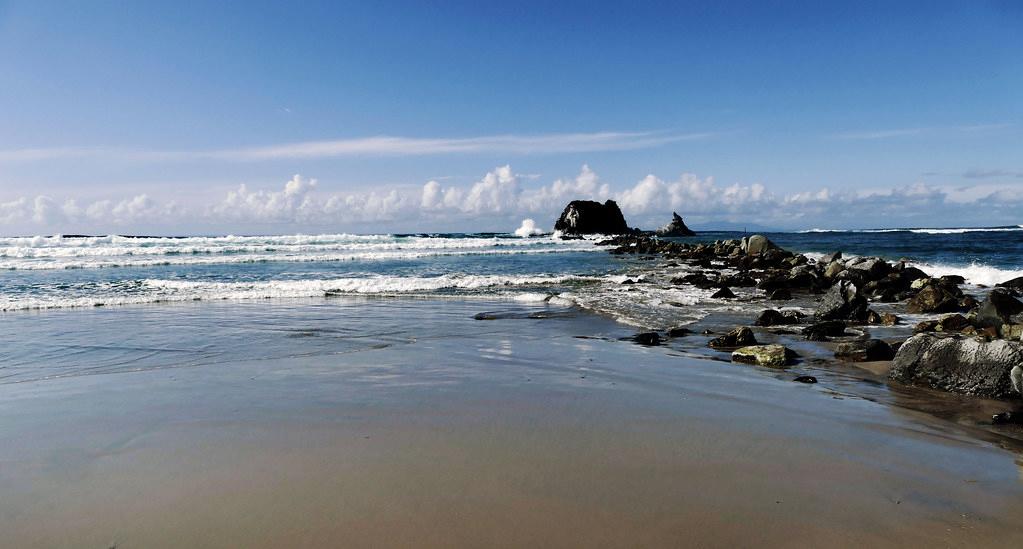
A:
x,y
375,146
501,197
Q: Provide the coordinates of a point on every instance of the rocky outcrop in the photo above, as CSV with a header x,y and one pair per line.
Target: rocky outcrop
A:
x,y
589,217
824,330
842,302
774,317
677,227
966,365
774,356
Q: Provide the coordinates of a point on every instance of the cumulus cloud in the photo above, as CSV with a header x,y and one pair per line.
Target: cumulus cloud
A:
x,y
499,199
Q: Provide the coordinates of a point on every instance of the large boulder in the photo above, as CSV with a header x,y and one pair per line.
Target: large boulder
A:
x,y
822,331
677,227
998,308
966,365
590,217
933,298
757,244
842,302
1016,284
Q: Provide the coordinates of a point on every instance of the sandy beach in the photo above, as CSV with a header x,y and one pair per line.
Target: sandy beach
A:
x,y
405,422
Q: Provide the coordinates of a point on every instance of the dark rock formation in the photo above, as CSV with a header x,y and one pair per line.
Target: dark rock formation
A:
x,y
589,217
842,302
934,298
677,227
969,366
781,294
1016,284
823,330
647,338
738,337
863,351
723,293
772,317
679,332
998,308
805,379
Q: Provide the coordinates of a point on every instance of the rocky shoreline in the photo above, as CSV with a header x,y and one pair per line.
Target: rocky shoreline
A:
x,y
969,345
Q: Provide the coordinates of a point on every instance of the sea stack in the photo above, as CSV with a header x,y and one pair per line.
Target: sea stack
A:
x,y
677,227
590,217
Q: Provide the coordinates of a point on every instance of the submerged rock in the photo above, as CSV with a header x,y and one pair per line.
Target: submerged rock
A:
x,y
677,227
781,294
647,338
774,356
805,379
679,332
824,330
958,364
865,351
590,217
738,337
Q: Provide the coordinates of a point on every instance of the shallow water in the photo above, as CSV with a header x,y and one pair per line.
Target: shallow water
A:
x,y
393,421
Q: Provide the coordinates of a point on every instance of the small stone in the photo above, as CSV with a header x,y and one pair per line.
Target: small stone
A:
x,y
805,379
781,294
679,332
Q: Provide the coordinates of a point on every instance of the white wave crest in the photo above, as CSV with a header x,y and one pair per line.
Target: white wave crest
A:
x,y
976,273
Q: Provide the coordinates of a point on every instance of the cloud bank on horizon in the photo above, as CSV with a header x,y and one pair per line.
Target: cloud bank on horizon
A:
x,y
502,198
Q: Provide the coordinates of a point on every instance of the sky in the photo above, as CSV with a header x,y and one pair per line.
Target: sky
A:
x,y
260,117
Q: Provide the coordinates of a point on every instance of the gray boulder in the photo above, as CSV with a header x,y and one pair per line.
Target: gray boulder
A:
x,y
864,351
969,366
757,245
842,302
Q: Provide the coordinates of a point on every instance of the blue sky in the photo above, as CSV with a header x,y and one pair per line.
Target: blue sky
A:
x,y
149,117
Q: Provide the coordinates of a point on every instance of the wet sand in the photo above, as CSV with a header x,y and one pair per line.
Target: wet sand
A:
x,y
408,423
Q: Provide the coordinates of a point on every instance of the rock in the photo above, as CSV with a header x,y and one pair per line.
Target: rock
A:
x,y
805,379
1007,418
828,258
1014,284
723,293
774,356
679,332
958,364
757,244
842,302
998,308
864,351
823,330
952,323
772,317
1011,331
925,326
933,298
647,338
781,294
589,217
677,227
889,319
954,280
873,266
833,269
738,337
873,317
967,303
738,281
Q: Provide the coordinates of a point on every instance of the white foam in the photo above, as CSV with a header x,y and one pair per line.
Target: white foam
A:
x,y
528,228
975,273
159,290
45,253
